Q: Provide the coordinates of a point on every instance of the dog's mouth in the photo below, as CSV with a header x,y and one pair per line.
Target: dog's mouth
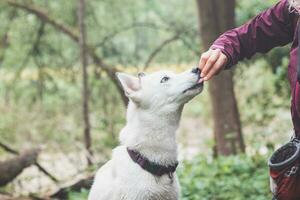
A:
x,y
194,87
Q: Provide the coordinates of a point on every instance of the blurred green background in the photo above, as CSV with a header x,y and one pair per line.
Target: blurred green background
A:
x,y
41,83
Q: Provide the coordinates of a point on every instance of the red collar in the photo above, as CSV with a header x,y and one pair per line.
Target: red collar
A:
x,y
152,167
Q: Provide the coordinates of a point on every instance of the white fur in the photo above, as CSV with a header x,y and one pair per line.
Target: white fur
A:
x,y
153,117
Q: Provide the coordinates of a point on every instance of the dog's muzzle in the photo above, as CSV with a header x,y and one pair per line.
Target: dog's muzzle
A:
x,y
196,71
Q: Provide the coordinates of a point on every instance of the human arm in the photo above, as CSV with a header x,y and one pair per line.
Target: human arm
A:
x,y
267,30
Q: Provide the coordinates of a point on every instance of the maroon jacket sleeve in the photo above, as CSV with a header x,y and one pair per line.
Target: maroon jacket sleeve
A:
x,y
269,29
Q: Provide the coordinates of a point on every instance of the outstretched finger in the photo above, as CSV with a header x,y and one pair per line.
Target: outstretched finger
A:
x,y
218,66
203,59
210,63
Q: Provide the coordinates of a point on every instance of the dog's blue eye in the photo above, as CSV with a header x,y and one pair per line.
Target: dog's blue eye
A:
x,y
164,79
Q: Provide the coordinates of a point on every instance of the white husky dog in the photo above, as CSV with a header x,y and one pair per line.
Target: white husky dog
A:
x,y
143,166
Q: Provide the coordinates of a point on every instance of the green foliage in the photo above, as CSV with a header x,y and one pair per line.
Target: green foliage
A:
x,y
264,103
262,98
235,178
82,195
52,113
246,10
123,32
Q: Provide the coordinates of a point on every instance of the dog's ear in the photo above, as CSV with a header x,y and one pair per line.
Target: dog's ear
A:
x,y
131,85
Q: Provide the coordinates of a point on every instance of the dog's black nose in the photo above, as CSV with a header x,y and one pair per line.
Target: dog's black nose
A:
x,y
196,70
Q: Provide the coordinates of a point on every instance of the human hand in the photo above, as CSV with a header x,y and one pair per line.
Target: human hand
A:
x,y
211,63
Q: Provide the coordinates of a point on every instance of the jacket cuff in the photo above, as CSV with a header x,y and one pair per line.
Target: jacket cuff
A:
x,y
227,54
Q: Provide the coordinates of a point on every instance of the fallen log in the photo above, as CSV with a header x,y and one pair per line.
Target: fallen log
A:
x,y
83,183
5,196
9,197
11,168
15,152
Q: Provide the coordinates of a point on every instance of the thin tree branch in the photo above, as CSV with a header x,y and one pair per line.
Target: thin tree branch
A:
x,y
189,46
172,27
85,86
4,40
8,149
42,15
40,33
32,50
159,48
39,12
126,28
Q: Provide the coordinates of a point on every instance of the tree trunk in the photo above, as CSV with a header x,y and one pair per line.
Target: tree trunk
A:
x,y
10,169
85,88
215,17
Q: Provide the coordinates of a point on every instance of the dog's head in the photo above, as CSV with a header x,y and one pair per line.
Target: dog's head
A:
x,y
161,89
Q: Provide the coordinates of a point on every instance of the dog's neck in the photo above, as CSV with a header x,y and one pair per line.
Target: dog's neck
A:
x,y
152,134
